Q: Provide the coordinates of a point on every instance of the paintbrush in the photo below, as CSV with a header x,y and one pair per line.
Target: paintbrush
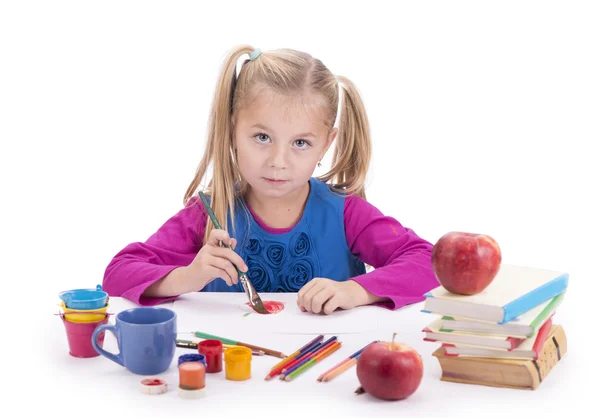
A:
x,y
255,300
227,341
194,346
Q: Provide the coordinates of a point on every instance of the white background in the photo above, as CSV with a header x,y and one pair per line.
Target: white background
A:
x,y
484,117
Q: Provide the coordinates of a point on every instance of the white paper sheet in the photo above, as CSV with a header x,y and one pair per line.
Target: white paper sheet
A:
x,y
223,314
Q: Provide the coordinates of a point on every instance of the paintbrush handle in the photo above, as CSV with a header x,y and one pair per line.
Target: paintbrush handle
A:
x,y
216,224
266,350
206,336
214,219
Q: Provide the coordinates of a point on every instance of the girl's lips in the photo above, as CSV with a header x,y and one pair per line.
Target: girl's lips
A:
x,y
273,181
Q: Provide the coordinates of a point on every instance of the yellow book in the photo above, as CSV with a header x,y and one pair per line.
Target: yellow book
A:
x,y
509,373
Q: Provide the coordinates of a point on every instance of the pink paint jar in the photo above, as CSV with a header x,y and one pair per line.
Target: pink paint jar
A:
x,y
213,351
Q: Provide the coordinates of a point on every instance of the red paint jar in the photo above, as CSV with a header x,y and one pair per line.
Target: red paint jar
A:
x,y
213,351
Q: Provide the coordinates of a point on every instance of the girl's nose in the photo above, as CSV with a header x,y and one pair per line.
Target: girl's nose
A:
x,y
278,157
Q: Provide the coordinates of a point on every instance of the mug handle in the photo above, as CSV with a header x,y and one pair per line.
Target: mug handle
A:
x,y
106,327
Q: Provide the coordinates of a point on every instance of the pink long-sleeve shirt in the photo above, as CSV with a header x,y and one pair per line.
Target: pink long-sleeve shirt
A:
x,y
401,259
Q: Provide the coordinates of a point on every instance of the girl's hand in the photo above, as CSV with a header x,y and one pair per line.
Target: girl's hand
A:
x,y
214,261
326,295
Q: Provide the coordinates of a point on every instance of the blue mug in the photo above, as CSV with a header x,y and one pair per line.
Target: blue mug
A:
x,y
146,338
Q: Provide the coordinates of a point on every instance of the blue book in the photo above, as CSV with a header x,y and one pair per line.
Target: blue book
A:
x,y
514,291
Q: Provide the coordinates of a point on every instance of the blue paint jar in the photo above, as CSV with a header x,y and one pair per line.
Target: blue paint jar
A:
x,y
192,357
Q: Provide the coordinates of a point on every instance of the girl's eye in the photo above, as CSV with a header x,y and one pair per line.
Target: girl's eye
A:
x,y
262,138
301,143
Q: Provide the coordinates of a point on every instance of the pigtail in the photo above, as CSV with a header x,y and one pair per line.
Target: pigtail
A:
x,y
219,146
352,151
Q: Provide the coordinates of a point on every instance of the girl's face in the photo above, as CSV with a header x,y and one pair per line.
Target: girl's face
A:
x,y
279,144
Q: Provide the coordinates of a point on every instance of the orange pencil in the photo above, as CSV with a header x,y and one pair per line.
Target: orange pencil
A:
x,y
340,364
340,370
343,362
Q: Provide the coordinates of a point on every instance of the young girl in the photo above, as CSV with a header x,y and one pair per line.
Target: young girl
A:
x,y
270,126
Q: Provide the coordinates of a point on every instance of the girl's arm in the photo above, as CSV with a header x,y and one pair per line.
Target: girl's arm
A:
x,y
402,259
137,271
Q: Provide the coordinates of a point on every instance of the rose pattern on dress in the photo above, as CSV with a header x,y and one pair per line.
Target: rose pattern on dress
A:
x,y
300,245
274,268
253,246
260,274
275,254
295,275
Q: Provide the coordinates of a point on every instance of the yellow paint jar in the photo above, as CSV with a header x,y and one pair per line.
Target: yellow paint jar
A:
x,y
237,363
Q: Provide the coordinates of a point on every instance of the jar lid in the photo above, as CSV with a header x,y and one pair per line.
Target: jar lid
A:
x,y
238,353
153,386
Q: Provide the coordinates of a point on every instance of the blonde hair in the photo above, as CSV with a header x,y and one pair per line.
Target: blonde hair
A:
x,y
292,73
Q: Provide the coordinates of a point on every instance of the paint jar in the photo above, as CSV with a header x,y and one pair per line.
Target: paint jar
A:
x,y
84,315
237,363
191,379
213,351
192,357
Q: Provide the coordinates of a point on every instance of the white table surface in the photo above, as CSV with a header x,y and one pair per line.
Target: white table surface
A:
x,y
103,388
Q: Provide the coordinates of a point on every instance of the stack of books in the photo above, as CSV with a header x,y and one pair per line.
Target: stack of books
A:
x,y
503,336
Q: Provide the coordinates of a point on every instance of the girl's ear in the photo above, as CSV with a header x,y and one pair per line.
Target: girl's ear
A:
x,y
330,138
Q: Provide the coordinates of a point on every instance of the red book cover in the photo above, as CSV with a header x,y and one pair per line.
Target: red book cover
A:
x,y
541,337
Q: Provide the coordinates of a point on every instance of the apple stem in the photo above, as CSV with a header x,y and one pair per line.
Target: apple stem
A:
x,y
393,337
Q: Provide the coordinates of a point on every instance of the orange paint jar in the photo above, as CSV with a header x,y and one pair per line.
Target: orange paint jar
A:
x,y
191,379
237,363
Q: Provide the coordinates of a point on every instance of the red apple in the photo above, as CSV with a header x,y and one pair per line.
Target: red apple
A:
x,y
389,371
465,263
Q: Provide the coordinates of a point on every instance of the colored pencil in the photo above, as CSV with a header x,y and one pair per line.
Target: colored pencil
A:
x,y
305,358
313,361
339,370
343,363
298,351
304,353
296,366
313,351
267,351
